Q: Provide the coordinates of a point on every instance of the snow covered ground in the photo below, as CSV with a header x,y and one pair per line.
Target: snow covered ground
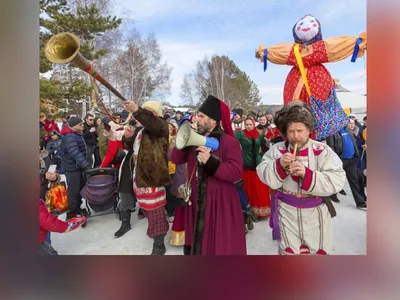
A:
x,y
349,235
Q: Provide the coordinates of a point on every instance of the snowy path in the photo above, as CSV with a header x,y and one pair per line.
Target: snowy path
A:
x,y
349,236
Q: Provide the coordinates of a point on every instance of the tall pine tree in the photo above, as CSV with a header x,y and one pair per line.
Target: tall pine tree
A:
x,y
88,23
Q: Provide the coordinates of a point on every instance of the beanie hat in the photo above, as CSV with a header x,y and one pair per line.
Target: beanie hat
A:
x,y
154,106
269,111
74,121
105,120
124,114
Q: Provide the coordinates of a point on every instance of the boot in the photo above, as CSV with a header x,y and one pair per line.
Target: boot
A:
x,y
249,222
253,216
245,229
158,245
125,225
186,250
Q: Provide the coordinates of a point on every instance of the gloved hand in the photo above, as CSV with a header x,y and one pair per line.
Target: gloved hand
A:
x,y
75,222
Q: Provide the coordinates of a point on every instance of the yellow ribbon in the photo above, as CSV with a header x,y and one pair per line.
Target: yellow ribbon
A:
x,y
301,67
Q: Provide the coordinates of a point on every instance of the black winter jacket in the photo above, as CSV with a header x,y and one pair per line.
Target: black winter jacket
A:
x,y
89,137
73,151
336,142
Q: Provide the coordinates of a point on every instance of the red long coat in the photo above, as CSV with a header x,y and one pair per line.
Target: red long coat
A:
x,y
223,232
49,223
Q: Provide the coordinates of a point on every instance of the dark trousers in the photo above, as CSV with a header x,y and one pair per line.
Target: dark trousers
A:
x,y
89,155
97,159
350,167
46,249
361,182
128,201
75,183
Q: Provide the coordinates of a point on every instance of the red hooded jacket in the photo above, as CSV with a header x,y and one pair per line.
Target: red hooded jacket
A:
x,y
49,223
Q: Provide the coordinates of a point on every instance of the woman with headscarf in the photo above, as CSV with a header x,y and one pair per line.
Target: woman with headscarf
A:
x,y
252,142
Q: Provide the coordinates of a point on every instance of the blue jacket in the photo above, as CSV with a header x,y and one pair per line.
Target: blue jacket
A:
x,y
73,151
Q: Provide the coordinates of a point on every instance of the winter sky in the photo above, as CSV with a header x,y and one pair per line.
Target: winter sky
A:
x,y
187,30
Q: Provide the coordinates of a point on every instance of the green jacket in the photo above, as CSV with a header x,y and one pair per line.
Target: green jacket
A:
x,y
102,141
251,149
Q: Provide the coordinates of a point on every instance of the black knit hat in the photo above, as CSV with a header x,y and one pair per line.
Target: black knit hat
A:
x,y
211,108
74,121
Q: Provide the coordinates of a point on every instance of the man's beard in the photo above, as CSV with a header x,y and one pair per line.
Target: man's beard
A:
x,y
203,129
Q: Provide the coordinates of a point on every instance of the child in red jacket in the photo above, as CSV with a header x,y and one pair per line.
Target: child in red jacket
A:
x,y
49,223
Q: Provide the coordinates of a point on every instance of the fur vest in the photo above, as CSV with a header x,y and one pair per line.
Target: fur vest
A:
x,y
152,161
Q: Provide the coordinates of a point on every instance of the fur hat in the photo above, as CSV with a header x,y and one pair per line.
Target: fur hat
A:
x,y
216,109
74,121
211,108
294,111
239,111
154,106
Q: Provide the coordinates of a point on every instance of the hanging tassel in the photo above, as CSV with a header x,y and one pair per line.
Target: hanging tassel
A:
x,y
265,58
356,50
321,252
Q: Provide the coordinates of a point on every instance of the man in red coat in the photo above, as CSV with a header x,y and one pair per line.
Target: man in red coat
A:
x,y
214,220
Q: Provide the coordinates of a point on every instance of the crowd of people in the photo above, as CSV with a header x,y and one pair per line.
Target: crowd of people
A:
x,y
266,166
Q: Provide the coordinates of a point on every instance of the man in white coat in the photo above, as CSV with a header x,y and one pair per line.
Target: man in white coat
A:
x,y
301,210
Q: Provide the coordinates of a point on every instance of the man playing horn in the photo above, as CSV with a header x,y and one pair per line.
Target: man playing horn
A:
x,y
151,174
303,173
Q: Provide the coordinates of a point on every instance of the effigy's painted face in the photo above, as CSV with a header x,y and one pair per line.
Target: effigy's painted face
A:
x,y
307,28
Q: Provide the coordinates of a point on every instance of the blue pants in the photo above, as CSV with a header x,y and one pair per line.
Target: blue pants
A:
x,y
244,201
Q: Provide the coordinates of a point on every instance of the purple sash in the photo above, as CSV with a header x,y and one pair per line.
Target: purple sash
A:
x,y
291,200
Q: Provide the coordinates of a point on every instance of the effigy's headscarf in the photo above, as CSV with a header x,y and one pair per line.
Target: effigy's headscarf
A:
x,y
307,30
294,111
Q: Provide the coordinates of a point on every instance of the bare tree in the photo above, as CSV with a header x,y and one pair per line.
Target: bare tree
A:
x,y
220,77
141,71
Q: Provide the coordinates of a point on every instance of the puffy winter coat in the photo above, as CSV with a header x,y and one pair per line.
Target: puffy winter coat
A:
x,y
49,223
73,151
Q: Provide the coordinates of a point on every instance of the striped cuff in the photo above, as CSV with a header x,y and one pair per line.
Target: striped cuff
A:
x,y
308,181
280,171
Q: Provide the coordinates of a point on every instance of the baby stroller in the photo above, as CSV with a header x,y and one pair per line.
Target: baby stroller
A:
x,y
100,192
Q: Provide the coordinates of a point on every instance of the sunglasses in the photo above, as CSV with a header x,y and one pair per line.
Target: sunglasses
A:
x,y
90,119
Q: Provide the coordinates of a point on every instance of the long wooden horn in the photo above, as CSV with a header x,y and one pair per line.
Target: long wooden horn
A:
x,y
64,48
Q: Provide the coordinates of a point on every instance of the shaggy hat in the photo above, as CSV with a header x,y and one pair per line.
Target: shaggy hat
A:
x,y
74,121
294,111
154,106
239,111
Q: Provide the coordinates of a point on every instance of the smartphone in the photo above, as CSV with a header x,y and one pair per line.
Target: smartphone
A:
x,y
52,169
